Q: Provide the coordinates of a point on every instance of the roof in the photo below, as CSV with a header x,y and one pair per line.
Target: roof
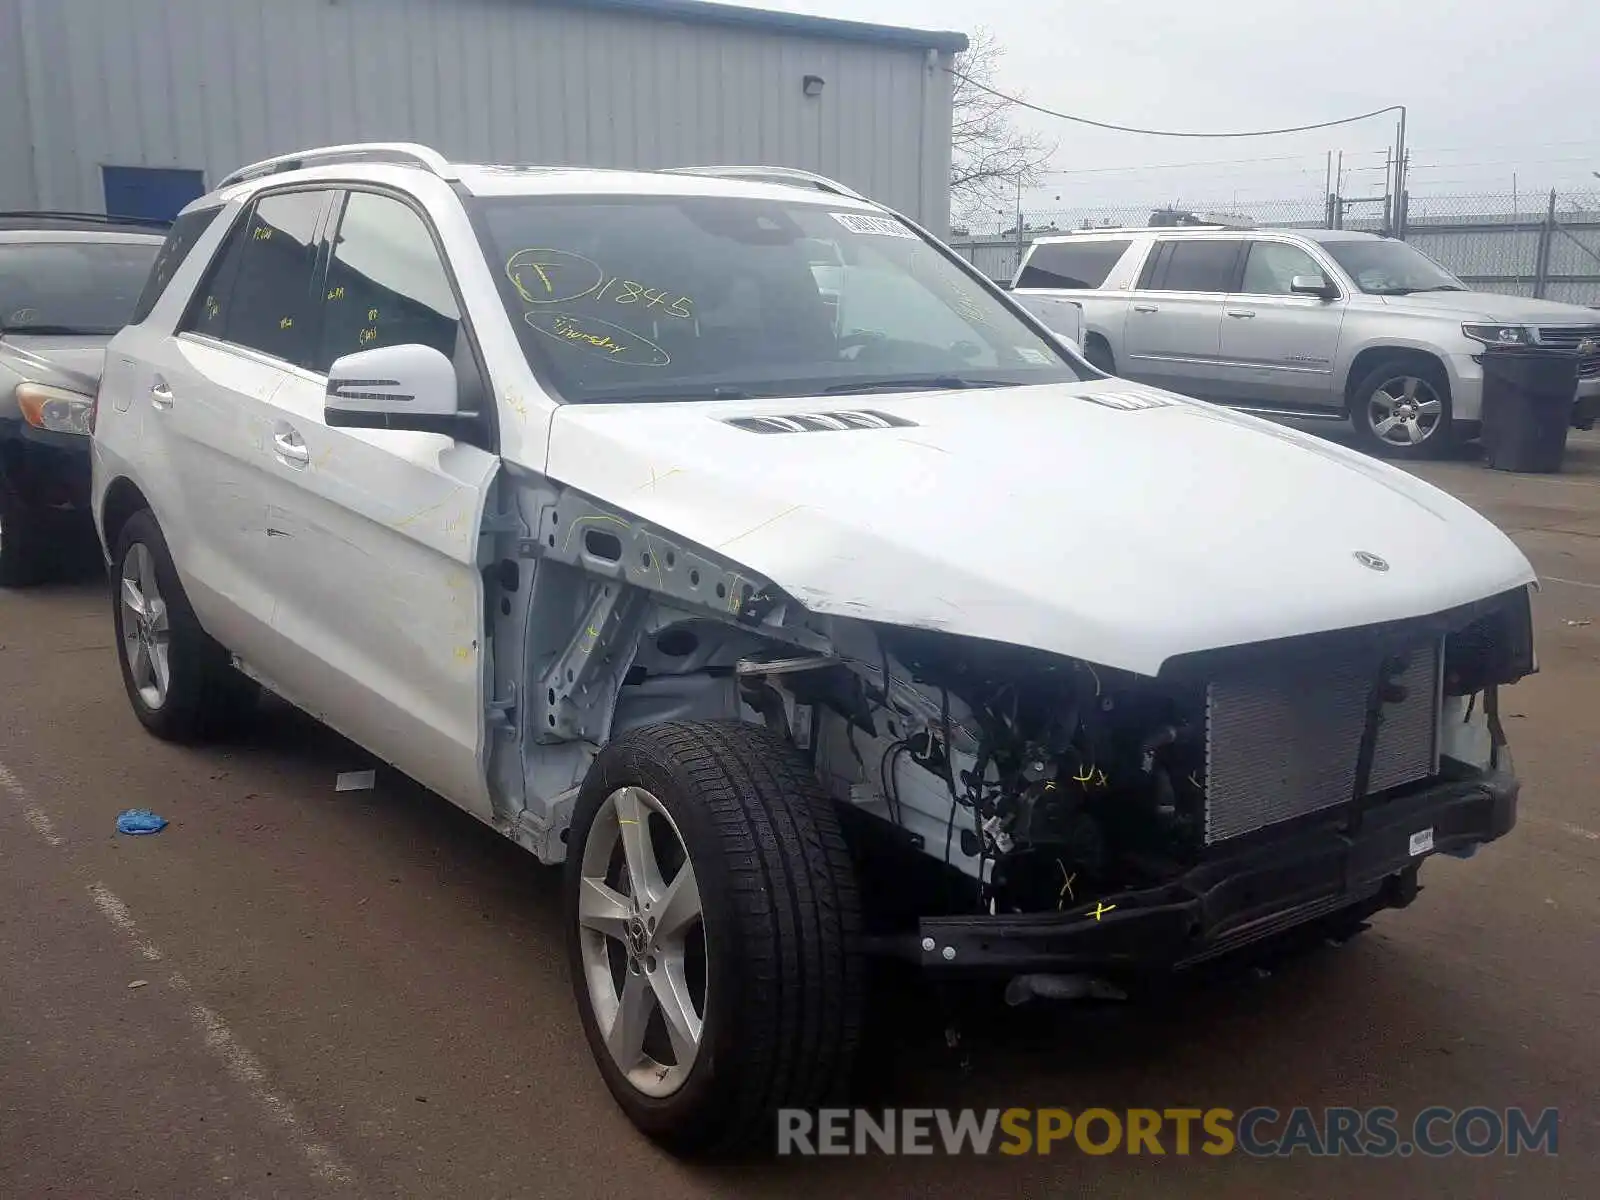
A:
x,y
488,180
391,161
1204,231
82,222
700,12
1338,235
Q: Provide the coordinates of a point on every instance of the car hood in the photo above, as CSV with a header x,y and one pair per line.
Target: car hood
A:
x,y
1490,306
1061,517
70,362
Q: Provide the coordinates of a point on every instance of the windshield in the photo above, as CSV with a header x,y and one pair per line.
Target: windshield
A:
x,y
662,298
71,287
1388,268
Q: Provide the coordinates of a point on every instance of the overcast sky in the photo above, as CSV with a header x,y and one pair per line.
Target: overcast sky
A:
x,y
1494,89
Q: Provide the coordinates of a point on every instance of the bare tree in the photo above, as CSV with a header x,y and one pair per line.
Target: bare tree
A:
x,y
989,154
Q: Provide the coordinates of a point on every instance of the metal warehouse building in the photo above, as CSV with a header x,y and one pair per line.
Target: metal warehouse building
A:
x,y
137,106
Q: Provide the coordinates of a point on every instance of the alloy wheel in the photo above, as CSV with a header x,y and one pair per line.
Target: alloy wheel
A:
x,y
642,940
146,635
1405,411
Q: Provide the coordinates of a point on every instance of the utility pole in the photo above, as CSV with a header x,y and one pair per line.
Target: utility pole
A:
x,y
1019,218
1390,174
1401,163
1327,192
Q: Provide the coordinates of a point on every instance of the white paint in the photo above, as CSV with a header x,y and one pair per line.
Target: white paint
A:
x,y
1577,831
1578,583
31,812
241,1065
1119,537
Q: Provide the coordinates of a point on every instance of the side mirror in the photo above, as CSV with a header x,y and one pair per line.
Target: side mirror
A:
x,y
1313,285
409,387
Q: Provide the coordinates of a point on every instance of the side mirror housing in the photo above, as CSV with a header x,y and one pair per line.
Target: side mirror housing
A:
x,y
410,387
1313,285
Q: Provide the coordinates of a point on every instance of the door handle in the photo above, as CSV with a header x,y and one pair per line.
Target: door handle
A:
x,y
1145,308
1241,313
161,394
290,446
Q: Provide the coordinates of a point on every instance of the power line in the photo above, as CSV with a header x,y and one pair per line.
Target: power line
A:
x,y
1215,162
1377,112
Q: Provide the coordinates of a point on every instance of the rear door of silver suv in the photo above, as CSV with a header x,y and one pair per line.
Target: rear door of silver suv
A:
x,y
1173,335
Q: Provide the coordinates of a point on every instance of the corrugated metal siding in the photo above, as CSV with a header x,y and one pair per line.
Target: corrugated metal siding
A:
x,y
17,185
212,84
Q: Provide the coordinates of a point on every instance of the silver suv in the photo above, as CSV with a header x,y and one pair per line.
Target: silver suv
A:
x,y
1319,323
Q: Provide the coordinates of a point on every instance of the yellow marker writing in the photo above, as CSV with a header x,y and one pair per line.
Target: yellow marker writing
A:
x,y
1101,908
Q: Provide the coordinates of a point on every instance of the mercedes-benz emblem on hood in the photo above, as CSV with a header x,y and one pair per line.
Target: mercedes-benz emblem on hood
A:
x,y
1371,561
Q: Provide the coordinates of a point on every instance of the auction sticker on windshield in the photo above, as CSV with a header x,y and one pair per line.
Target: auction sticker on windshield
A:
x,y
867,223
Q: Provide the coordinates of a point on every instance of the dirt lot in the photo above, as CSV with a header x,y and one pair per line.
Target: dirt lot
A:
x,y
362,994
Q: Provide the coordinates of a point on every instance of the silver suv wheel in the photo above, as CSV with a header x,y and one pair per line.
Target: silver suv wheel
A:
x,y
1405,410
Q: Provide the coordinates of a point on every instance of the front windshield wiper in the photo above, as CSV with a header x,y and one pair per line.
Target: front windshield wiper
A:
x,y
56,330
1442,287
919,383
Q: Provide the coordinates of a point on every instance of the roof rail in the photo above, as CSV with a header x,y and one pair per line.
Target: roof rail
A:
x,y
757,174
70,215
408,154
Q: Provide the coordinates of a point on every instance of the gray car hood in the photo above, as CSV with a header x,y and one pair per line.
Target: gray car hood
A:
x,y
1490,306
73,362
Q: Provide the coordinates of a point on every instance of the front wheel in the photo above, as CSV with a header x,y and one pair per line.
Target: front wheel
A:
x,y
1401,409
712,928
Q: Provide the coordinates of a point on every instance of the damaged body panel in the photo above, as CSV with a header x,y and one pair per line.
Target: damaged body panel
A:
x,y
1039,517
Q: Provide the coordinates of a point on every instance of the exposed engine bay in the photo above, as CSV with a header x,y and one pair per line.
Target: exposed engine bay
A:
x,y
1049,781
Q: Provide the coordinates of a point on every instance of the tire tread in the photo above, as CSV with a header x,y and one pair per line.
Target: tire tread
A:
x,y
796,917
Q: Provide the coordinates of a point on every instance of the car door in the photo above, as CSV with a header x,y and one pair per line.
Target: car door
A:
x,y
208,392
377,590
1279,346
1173,334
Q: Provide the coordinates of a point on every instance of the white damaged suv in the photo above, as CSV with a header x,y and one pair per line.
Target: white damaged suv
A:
x,y
804,624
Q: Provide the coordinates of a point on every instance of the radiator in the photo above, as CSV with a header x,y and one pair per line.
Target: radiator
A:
x,y
1282,740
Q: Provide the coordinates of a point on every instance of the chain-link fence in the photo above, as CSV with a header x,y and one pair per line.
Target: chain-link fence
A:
x,y
1540,244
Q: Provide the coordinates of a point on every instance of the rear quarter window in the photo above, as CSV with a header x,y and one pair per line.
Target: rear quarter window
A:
x,y
181,238
1074,266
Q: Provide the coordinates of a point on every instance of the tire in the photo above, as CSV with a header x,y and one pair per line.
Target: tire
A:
x,y
203,697
1402,382
780,993
26,557
1099,356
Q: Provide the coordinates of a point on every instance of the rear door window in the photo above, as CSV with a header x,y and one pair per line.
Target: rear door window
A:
x,y
181,238
1196,265
1075,266
258,293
